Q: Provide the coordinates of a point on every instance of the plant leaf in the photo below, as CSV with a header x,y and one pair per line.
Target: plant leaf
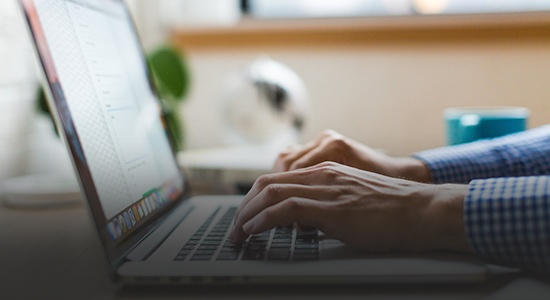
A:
x,y
171,73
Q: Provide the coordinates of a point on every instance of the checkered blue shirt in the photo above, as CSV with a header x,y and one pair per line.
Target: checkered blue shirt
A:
x,y
507,209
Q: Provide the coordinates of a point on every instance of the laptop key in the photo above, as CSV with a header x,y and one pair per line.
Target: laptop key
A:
x,y
180,257
282,241
205,252
208,247
184,252
277,246
188,247
201,257
306,246
232,247
211,243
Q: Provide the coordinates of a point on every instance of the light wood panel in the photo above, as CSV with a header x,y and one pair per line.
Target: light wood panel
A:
x,y
405,29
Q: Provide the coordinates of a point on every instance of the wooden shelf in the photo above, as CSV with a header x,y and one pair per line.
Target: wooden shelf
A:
x,y
251,33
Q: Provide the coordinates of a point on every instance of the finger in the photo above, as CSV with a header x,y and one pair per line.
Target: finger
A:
x,y
290,149
314,157
293,210
278,166
273,194
306,176
286,158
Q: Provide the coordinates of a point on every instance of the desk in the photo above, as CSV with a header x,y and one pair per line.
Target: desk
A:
x,y
54,254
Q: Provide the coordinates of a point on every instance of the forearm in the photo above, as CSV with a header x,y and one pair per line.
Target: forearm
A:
x,y
412,169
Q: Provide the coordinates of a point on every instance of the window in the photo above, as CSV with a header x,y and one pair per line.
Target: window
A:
x,y
355,8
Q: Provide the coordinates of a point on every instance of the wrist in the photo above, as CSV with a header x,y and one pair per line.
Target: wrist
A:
x,y
413,169
443,221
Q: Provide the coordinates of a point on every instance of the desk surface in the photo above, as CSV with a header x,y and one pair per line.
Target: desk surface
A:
x,y
54,254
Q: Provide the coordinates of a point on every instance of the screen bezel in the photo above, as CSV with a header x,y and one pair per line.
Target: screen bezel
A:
x,y
116,252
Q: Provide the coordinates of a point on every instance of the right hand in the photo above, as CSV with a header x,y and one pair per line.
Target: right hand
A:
x,y
362,209
332,146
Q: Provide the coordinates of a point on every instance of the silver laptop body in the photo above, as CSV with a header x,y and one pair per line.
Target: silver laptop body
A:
x,y
106,109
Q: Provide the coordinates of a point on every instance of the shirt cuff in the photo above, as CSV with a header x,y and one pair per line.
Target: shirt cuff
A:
x,y
461,164
507,221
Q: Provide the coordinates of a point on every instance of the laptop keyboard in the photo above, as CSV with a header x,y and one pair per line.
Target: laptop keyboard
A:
x,y
278,244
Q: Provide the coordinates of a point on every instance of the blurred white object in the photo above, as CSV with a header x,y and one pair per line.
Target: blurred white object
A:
x,y
227,170
17,105
39,153
327,8
199,13
16,64
265,104
356,8
17,89
40,191
44,152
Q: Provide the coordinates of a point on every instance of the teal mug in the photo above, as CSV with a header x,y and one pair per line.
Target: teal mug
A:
x,y
465,125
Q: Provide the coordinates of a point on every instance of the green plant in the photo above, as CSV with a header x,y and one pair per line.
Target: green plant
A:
x,y
172,80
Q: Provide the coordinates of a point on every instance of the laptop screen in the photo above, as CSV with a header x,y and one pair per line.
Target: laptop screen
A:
x,y
109,112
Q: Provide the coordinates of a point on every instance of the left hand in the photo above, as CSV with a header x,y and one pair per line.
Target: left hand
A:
x,y
360,208
332,146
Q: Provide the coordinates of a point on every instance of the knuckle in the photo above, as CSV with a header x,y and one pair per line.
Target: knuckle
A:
x,y
339,144
327,165
328,168
263,181
272,190
293,204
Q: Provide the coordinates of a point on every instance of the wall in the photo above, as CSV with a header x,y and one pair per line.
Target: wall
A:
x,y
389,95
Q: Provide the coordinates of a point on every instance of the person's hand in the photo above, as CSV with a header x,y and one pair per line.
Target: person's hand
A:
x,y
360,208
332,146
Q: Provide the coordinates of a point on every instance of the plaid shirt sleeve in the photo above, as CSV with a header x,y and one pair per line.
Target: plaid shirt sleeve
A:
x,y
507,208
507,221
522,154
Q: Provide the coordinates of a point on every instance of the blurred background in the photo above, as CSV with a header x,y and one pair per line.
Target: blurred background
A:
x,y
379,71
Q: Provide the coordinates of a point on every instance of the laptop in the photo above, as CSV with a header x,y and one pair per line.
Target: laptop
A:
x,y
152,231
